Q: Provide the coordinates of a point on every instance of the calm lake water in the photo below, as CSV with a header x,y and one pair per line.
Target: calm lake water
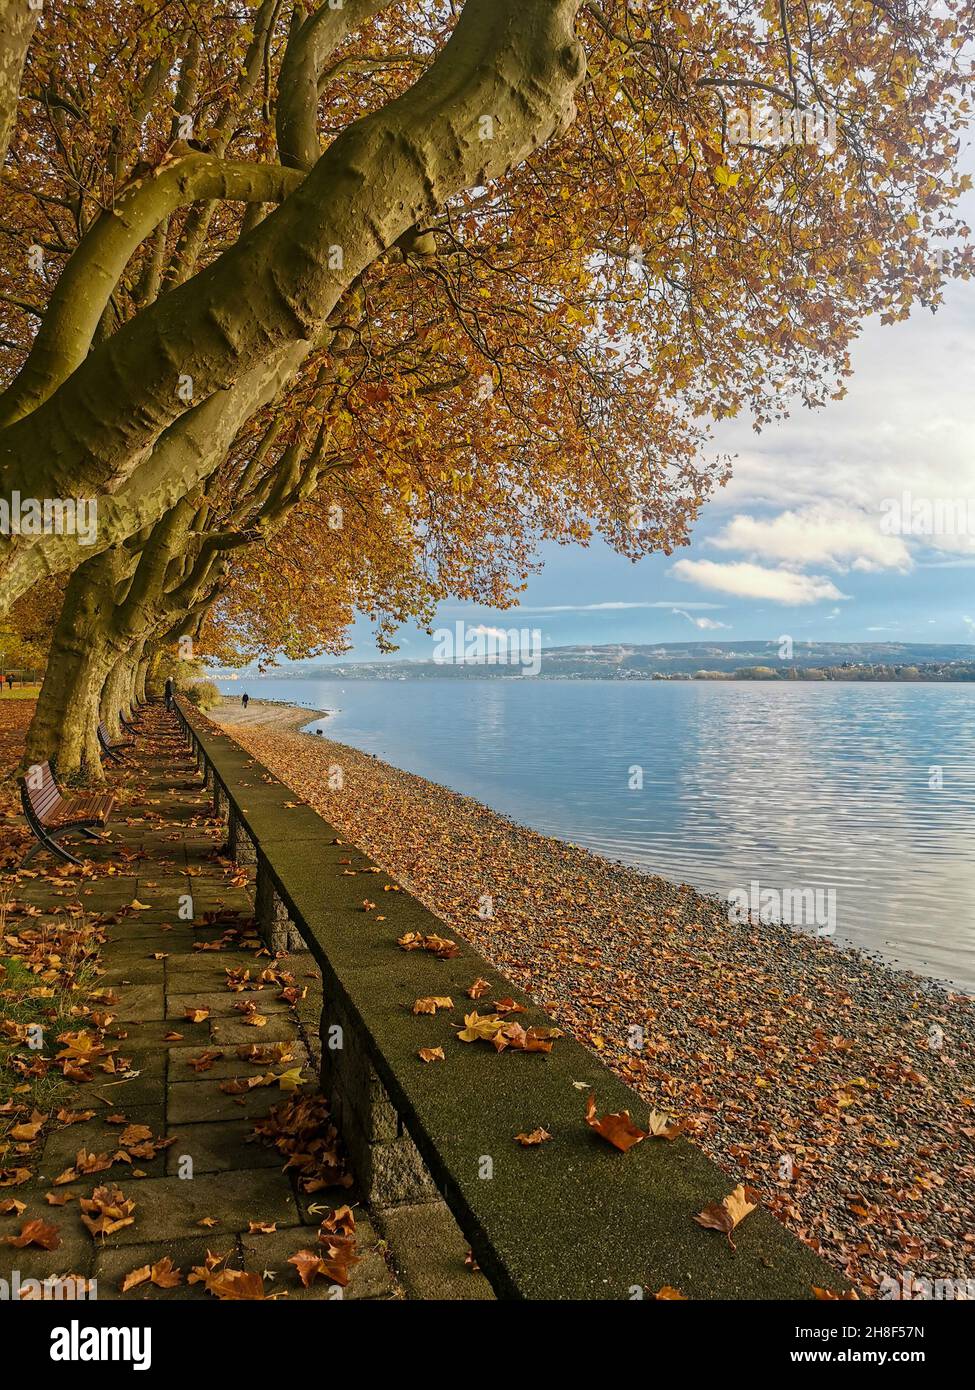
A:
x,y
823,787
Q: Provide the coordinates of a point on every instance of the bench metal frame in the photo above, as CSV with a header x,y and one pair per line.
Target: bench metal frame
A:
x,y
48,838
112,750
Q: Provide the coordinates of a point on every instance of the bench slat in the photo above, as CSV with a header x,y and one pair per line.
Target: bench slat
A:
x,y
45,798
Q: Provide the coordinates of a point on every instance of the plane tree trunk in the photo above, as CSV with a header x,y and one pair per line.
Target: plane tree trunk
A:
x,y
116,428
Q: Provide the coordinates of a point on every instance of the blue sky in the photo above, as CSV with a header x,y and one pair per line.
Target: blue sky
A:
x,y
800,542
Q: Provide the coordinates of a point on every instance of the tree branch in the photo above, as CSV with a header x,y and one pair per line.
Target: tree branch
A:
x,y
93,271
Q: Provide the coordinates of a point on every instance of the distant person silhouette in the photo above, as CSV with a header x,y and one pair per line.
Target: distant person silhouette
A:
x,y
245,699
169,692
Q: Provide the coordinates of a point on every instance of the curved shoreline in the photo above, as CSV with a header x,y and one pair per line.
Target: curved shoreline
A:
x,y
280,715
775,1045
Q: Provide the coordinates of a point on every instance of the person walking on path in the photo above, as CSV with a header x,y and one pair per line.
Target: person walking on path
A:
x,y
245,699
169,692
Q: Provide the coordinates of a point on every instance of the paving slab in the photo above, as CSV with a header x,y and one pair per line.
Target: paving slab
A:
x,y
140,1003
269,1254
96,1137
430,1254
220,1146
172,1208
226,1031
112,1265
191,1101
225,1001
226,1065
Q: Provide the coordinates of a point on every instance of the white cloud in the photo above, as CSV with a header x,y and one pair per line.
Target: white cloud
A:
x,y
705,624
754,581
609,607
839,537
906,424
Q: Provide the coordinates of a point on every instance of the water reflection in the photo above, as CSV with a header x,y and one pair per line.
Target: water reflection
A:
x,y
827,786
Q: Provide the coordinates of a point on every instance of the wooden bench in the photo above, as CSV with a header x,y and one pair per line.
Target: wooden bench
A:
x,y
112,750
52,815
133,726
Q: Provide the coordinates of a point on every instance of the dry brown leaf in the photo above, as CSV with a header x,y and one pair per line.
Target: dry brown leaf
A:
x,y
106,1211
663,1126
236,1284
617,1129
309,1265
74,1117
165,1275
729,1212
431,1005
35,1232
135,1278
537,1136
27,1132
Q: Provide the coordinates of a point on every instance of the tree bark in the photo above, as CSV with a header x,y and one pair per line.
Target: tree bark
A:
x,y
68,328
116,695
514,63
63,729
140,694
17,23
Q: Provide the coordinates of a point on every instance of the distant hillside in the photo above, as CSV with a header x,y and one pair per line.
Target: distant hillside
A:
x,y
904,661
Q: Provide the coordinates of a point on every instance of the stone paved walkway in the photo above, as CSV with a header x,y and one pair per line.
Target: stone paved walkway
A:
x,y
169,890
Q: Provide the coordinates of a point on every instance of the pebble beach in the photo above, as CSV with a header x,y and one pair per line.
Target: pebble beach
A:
x,y
839,1087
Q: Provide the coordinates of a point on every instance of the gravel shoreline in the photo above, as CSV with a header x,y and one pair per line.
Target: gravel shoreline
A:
x,y
840,1087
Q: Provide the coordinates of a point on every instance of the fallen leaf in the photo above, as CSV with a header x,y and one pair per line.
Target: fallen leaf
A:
x,y
26,1133
663,1126
537,1136
35,1232
617,1129
431,1005
729,1212
165,1275
480,1028
309,1265
236,1284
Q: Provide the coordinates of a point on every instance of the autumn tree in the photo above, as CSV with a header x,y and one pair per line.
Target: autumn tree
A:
x,y
509,257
